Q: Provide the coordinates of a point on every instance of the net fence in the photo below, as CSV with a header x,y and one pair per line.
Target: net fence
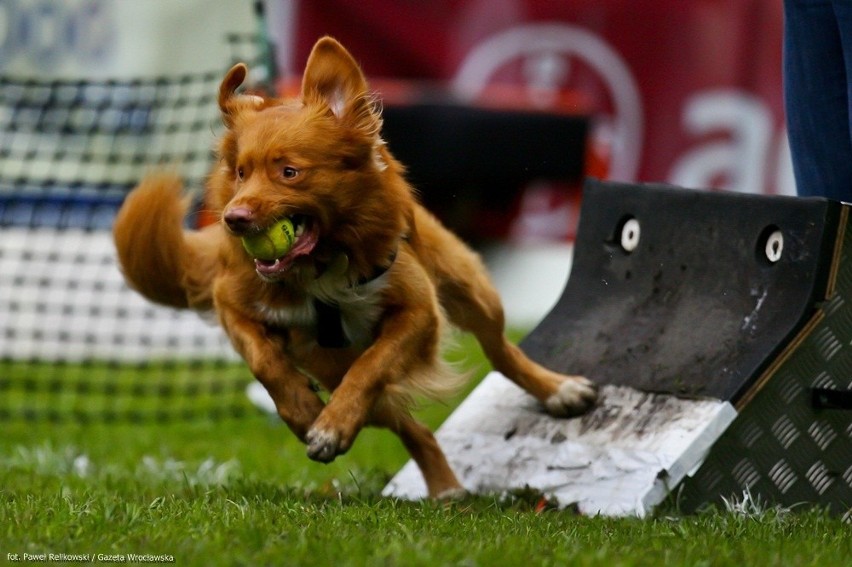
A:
x,y
75,343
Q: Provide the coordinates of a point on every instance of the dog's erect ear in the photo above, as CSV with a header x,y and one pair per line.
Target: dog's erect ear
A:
x,y
333,76
230,103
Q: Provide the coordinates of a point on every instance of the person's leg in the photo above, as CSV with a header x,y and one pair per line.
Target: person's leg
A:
x,y
843,13
816,101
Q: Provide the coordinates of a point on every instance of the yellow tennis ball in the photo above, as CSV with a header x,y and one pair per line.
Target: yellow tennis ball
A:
x,y
271,243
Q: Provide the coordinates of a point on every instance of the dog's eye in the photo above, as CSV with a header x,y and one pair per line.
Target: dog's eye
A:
x,y
289,172
241,173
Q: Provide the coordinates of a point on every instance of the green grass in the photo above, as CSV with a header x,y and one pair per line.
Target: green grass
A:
x,y
93,389
242,492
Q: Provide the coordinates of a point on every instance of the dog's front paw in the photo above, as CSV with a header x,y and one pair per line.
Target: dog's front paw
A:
x,y
323,445
575,395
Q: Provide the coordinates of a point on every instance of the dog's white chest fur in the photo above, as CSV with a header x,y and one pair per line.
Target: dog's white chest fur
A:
x,y
300,315
360,309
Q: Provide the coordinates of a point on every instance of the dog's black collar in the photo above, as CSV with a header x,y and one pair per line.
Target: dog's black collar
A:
x,y
329,323
330,326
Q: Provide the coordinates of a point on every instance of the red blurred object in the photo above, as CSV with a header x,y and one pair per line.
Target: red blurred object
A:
x,y
682,91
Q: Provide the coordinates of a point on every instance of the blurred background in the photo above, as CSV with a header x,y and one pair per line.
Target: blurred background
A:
x,y
499,108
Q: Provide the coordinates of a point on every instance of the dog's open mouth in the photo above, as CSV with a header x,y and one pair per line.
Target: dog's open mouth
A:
x,y
307,236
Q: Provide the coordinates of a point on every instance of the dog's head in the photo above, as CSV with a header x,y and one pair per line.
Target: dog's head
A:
x,y
319,160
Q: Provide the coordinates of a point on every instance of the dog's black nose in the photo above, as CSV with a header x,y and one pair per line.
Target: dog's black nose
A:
x,y
239,219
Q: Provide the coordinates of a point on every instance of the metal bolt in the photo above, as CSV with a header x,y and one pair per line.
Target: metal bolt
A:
x,y
630,235
774,246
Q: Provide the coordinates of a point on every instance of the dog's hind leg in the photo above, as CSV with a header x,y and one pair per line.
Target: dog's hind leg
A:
x,y
473,305
423,448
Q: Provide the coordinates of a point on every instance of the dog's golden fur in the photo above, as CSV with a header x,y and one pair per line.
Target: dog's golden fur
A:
x,y
390,271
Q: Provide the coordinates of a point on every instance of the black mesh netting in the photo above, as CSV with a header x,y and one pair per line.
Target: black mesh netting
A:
x,y
75,342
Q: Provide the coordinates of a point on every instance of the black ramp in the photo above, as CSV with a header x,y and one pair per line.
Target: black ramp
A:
x,y
719,327
686,292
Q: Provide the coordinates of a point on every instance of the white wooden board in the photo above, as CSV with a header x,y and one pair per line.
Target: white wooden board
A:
x,y
620,459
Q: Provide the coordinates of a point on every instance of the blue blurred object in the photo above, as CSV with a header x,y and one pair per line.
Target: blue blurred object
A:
x,y
60,209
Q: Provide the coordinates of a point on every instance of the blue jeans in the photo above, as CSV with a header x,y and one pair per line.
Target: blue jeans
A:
x,y
818,95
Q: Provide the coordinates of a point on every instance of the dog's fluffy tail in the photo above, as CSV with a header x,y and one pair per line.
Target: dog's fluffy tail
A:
x,y
159,258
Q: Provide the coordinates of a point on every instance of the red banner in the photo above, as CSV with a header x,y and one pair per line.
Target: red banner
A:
x,y
682,91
